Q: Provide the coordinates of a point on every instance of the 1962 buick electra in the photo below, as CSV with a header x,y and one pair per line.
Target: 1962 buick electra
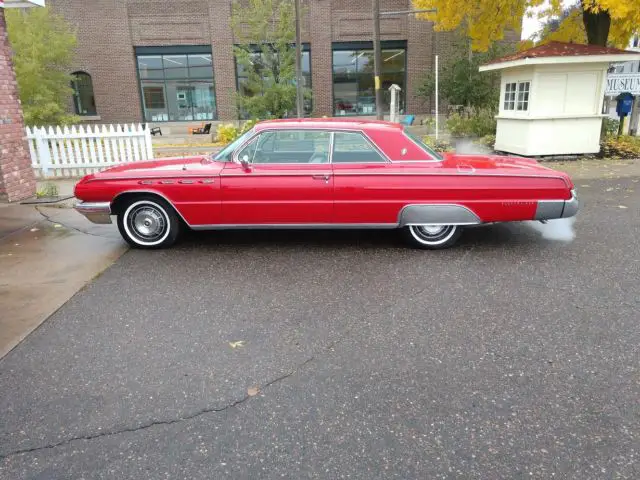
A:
x,y
324,173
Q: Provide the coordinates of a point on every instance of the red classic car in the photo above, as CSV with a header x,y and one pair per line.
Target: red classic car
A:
x,y
324,173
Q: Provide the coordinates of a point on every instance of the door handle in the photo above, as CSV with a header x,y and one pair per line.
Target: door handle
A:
x,y
324,177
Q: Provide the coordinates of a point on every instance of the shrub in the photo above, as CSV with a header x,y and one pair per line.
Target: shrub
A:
x,y
610,126
226,133
248,125
472,122
487,141
623,146
47,190
437,145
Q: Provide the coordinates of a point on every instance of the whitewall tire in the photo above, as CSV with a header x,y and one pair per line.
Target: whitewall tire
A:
x,y
432,237
149,222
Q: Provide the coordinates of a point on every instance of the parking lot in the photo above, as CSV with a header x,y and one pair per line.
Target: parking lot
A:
x,y
304,354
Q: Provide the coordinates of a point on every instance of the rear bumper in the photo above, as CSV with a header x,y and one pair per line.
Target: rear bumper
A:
x,y
550,209
97,212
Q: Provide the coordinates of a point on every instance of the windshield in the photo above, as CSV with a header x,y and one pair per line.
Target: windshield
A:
x,y
423,145
224,155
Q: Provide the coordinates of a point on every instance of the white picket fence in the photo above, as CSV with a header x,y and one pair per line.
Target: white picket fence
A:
x,y
83,149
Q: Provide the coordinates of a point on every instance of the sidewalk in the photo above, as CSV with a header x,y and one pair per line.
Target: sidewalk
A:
x,y
47,254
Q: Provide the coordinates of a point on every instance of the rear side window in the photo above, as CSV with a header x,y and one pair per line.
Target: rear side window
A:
x,y
353,147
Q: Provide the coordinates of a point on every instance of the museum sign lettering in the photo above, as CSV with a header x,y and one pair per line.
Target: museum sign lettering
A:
x,y
623,82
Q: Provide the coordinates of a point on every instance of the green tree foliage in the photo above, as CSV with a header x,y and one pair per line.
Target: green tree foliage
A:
x,y
460,81
265,33
43,46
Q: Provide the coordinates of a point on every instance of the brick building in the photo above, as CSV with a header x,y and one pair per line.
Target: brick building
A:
x,y
159,61
16,176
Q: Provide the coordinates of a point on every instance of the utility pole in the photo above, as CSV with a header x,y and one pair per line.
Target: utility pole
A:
x,y
299,99
377,60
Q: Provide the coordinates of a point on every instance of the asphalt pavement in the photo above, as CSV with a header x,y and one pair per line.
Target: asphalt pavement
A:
x,y
344,355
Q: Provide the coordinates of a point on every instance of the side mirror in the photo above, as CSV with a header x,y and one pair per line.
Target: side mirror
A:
x,y
244,161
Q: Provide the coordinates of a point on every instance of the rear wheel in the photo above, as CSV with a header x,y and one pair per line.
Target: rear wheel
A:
x,y
148,222
432,237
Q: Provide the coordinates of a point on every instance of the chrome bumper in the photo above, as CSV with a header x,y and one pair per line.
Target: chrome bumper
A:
x,y
97,212
550,209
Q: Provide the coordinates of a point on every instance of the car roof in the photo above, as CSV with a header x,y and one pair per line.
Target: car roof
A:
x,y
329,123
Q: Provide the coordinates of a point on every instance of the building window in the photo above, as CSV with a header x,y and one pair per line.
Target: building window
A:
x,y
84,102
523,96
353,80
176,83
516,96
259,62
510,96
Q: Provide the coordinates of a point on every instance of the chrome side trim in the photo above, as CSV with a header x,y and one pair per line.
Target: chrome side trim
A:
x,y
294,226
437,214
278,174
96,212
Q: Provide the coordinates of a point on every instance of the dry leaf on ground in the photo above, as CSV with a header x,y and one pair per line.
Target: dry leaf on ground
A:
x,y
253,391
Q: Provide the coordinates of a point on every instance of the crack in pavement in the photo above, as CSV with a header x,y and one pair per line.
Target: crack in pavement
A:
x,y
154,423
55,222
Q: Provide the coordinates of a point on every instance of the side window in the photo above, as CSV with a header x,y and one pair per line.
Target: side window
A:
x,y
353,147
249,150
292,146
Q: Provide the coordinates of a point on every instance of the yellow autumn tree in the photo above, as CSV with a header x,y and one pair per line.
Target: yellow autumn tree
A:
x,y
596,22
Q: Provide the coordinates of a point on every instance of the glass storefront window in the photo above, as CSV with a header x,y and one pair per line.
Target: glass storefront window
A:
x,y
259,63
353,82
177,87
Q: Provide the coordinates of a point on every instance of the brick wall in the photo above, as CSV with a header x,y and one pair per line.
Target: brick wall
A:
x,y
109,30
16,176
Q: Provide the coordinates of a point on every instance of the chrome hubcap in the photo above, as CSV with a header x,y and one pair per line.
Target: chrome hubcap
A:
x,y
148,222
431,229
432,234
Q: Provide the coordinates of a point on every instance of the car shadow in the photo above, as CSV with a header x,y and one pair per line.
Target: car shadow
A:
x,y
489,236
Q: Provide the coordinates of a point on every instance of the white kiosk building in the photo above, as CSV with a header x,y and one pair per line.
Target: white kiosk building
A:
x,y
551,98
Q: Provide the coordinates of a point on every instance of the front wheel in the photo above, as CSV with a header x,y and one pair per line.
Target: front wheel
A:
x,y
149,222
432,237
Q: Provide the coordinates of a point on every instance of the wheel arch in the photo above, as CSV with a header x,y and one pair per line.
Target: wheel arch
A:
x,y
122,199
437,214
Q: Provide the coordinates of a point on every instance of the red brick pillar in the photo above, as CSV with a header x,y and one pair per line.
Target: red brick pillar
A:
x,y
16,176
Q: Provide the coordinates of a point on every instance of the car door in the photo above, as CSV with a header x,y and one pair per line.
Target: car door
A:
x,y
362,192
286,180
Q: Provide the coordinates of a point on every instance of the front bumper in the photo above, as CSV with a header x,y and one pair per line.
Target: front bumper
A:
x,y
97,212
550,209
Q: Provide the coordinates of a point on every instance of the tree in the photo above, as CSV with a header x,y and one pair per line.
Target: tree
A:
x,y
265,54
43,47
485,21
460,81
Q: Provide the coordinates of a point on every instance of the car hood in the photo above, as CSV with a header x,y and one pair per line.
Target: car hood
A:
x,y
159,168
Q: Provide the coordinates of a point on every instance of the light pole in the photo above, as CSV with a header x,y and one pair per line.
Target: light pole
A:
x,y
377,57
376,47
299,99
